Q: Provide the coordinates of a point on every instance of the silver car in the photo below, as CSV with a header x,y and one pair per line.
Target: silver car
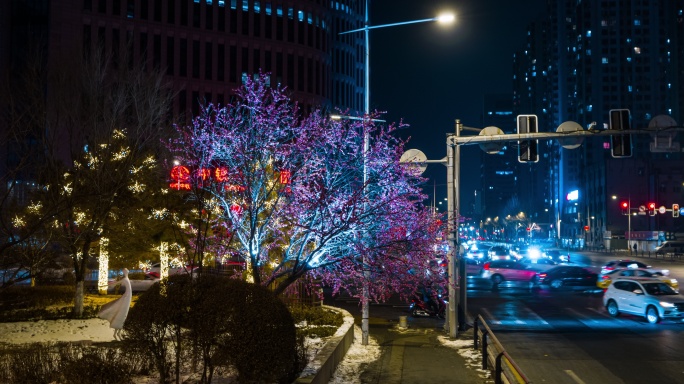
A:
x,y
650,298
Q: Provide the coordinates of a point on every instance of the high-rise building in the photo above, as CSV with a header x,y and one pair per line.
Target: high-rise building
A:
x,y
598,56
499,178
205,47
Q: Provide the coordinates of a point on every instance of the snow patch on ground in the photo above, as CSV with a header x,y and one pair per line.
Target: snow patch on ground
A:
x,y
358,356
472,356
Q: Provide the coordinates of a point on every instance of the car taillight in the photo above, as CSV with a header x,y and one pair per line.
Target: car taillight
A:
x,y
606,278
486,266
542,276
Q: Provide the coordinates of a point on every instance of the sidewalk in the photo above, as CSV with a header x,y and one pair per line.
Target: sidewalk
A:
x,y
419,355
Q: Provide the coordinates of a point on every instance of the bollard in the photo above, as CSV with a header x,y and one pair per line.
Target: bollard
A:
x,y
402,322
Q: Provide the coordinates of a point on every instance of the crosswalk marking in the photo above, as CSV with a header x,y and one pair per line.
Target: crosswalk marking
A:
x,y
589,316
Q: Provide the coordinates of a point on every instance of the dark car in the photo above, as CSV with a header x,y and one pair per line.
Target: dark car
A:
x,y
556,255
567,276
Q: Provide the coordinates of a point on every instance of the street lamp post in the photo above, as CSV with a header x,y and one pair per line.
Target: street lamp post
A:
x,y
366,139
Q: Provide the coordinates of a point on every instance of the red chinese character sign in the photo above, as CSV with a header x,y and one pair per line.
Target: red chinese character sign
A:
x,y
180,178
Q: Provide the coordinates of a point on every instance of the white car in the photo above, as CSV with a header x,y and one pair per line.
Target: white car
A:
x,y
650,298
155,270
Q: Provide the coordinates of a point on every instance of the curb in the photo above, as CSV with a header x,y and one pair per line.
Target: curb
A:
x,y
332,352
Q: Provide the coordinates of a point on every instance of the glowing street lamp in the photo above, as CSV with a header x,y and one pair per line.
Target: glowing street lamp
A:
x,y
444,18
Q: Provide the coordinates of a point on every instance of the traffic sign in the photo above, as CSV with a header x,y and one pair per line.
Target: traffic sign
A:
x,y
662,209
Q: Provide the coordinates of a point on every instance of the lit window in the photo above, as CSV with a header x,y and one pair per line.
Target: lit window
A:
x,y
637,22
589,33
629,59
300,15
268,9
604,60
637,50
629,88
606,145
257,7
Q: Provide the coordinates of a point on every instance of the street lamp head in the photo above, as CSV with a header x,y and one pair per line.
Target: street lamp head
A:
x,y
446,18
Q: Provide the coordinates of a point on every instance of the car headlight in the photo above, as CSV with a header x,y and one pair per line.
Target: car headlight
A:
x,y
666,304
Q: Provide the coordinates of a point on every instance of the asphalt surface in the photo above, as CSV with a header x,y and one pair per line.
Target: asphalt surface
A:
x,y
416,355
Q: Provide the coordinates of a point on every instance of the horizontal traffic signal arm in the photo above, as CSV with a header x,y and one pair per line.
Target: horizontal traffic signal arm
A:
x,y
466,140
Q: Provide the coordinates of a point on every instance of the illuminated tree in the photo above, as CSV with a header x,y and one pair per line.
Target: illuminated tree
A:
x,y
102,126
291,190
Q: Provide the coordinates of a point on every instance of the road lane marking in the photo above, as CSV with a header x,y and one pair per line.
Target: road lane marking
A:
x,y
574,376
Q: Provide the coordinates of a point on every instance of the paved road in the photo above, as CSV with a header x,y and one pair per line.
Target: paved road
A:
x,y
568,337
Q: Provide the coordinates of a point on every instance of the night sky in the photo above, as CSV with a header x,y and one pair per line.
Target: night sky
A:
x,y
429,74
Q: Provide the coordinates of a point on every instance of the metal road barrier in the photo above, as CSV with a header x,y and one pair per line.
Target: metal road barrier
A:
x,y
494,356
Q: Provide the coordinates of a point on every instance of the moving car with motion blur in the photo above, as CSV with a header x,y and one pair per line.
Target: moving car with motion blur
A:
x,y
632,264
498,271
652,299
476,252
539,265
606,278
567,276
556,255
499,252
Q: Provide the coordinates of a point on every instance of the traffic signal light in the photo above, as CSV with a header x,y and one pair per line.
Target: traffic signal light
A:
x,y
620,145
652,209
675,210
527,149
625,207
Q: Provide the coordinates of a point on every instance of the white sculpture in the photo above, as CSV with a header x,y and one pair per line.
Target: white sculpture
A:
x,y
116,311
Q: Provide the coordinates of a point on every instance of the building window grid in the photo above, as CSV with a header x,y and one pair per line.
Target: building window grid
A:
x,y
164,54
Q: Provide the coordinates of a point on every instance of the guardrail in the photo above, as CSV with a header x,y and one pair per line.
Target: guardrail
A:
x,y
494,356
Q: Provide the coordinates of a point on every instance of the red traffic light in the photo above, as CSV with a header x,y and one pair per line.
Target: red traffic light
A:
x,y
586,228
651,205
624,205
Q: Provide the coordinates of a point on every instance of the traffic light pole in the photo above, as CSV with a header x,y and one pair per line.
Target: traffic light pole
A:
x,y
453,163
